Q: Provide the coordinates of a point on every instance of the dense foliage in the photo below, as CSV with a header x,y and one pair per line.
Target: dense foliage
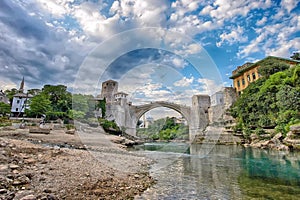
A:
x,y
270,102
56,102
4,109
109,126
295,56
102,106
271,66
164,129
10,94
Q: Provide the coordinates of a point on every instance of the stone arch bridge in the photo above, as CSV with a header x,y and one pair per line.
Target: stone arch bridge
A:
x,y
140,110
127,116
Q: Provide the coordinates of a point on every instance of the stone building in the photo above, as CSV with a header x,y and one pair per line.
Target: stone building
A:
x,y
244,75
120,98
20,102
3,97
109,88
217,98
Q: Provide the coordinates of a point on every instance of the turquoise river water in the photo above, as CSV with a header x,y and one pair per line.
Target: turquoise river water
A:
x,y
184,171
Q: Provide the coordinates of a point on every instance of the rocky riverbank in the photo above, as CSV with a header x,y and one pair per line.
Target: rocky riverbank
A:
x,y
35,166
277,142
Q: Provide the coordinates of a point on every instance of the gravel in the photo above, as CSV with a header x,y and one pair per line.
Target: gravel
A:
x,y
86,165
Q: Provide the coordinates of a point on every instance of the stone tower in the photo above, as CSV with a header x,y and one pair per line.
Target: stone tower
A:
x,y
199,114
109,88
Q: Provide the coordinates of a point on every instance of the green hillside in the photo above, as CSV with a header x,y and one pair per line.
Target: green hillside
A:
x,y
273,101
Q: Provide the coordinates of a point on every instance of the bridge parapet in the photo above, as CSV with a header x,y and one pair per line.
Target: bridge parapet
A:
x,y
161,103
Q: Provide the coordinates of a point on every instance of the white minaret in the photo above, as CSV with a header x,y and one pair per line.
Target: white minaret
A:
x,y
19,103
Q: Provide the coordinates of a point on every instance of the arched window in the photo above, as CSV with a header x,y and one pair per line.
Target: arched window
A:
x,y
253,76
243,81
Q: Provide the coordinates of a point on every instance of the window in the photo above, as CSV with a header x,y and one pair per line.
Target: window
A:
x,y
238,83
17,109
18,101
248,78
253,76
243,81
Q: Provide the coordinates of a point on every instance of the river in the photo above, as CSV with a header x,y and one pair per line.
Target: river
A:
x,y
184,171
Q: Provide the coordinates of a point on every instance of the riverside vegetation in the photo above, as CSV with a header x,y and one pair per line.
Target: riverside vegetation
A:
x,y
56,102
270,103
164,129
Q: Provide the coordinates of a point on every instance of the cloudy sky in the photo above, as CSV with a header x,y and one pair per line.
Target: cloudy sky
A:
x,y
157,49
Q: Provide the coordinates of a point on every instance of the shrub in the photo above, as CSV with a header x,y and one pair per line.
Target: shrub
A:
x,y
70,126
259,131
106,124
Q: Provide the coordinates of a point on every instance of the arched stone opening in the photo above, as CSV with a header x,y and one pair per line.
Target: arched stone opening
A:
x,y
183,111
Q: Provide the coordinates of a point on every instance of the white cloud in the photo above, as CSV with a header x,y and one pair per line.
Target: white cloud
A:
x,y
7,84
151,92
60,62
209,86
161,112
132,81
271,41
289,4
115,7
189,49
58,8
178,62
226,9
206,10
64,31
262,21
284,48
184,82
236,35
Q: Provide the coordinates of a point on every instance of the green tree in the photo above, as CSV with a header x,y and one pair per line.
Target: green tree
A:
x,y
4,108
169,124
34,92
60,98
295,56
80,103
75,114
39,104
10,94
288,98
102,105
269,102
271,66
164,129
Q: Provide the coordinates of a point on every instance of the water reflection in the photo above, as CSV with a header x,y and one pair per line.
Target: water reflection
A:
x,y
278,166
221,172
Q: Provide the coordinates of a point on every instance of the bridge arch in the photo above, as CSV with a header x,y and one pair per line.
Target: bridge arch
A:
x,y
183,110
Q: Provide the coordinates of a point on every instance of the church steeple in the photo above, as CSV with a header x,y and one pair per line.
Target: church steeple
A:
x,y
21,90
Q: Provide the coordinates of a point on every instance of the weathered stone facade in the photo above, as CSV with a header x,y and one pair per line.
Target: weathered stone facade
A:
x,y
219,129
109,88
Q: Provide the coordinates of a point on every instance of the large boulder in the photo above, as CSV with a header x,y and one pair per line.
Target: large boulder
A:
x,y
295,129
